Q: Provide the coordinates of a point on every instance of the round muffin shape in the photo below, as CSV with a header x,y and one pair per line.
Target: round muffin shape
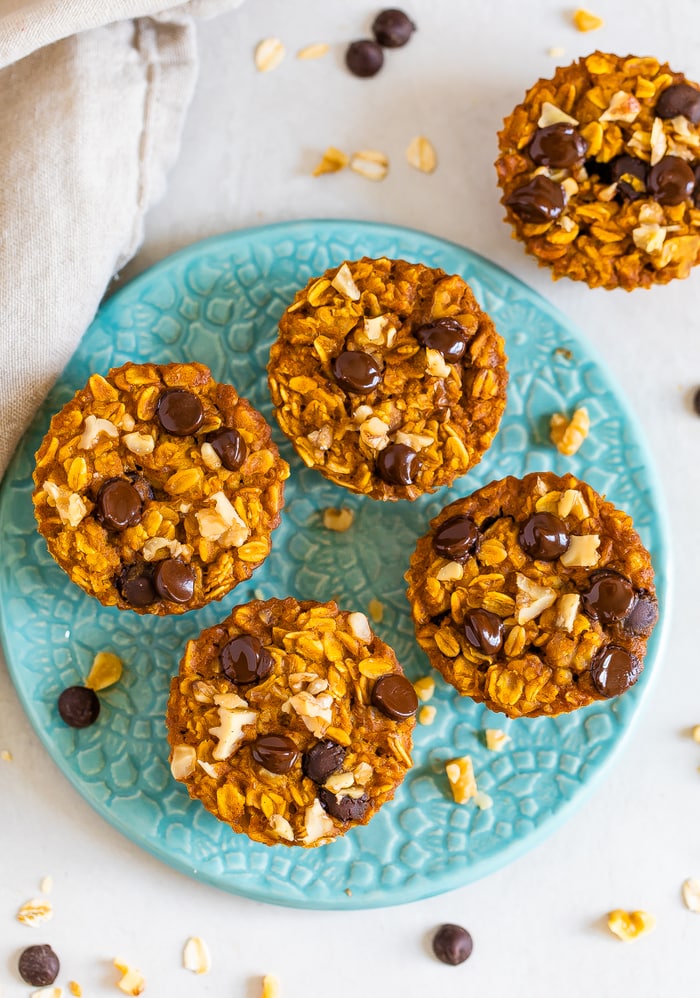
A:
x,y
600,172
157,488
553,607
388,378
300,752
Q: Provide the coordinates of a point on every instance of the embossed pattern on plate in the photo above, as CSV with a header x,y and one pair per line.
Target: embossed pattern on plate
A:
x,y
219,301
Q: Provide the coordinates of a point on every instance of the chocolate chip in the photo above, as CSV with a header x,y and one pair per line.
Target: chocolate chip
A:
x,y
671,180
540,200
118,504
136,585
230,447
484,630
446,335
544,537
277,753
614,670
679,99
179,412
643,615
630,175
174,580
78,706
397,464
392,28
364,58
244,660
343,808
322,759
394,696
456,538
356,371
559,145
452,944
38,965
609,598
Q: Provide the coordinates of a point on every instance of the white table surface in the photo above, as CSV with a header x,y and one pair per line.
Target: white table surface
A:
x,y
250,143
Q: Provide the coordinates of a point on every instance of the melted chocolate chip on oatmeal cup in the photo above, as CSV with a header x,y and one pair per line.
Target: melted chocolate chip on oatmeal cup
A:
x,y
534,596
388,377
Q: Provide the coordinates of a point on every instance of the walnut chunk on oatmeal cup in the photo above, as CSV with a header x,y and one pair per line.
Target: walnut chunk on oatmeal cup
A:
x,y
157,488
600,172
388,377
291,721
534,596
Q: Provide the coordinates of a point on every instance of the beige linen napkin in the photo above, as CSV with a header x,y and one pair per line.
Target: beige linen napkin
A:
x,y
94,96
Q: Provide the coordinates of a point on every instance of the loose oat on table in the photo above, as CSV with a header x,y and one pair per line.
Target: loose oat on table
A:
x,y
132,981
291,721
269,53
629,925
534,596
599,170
690,892
106,670
35,912
195,956
584,20
421,154
332,161
388,377
157,488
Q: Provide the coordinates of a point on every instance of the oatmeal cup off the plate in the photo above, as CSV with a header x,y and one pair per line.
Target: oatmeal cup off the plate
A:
x,y
534,596
388,377
291,721
157,488
600,172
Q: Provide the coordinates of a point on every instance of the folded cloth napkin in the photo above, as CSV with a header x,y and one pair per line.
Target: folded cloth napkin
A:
x,y
94,96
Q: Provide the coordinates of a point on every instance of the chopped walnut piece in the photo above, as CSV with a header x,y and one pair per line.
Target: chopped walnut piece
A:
x,y
370,163
229,731
332,161
132,981
421,154
532,599
70,506
460,773
35,912
582,551
269,53
343,282
567,608
195,956
339,520
568,435
281,827
139,443
691,894
550,114
496,739
317,823
183,761
93,427
649,237
623,107
584,20
628,925
106,670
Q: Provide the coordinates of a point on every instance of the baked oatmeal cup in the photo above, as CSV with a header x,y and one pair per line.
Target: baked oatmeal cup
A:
x,y
600,172
291,721
388,377
157,488
534,596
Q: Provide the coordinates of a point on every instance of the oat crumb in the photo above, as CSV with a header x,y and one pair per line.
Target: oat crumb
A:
x,y
691,894
270,987
332,161
46,884
628,925
75,989
6,755
584,20
375,608
496,740
696,733
339,520
426,715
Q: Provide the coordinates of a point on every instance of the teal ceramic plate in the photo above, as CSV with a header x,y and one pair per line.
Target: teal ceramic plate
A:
x,y
219,302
